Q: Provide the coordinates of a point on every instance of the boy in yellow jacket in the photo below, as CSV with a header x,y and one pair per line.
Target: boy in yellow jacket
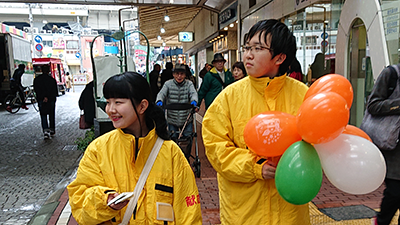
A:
x,y
246,181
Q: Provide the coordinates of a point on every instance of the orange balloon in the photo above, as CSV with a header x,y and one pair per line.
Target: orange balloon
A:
x,y
322,117
269,134
353,130
332,83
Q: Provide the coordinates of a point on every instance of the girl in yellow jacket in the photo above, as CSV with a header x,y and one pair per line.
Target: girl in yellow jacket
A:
x,y
246,181
113,163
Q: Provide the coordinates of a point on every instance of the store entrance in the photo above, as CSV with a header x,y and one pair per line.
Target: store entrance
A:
x,y
359,65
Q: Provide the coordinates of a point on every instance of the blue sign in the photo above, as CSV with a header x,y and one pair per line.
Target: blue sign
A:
x,y
39,47
324,43
38,39
78,55
324,35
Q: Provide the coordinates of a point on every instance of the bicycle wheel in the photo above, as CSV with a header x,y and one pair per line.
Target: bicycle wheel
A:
x,y
34,101
12,104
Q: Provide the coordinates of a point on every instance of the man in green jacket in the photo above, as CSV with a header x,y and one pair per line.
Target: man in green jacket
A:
x,y
215,80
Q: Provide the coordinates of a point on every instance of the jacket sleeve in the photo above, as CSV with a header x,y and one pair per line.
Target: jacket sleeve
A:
x,y
187,207
88,192
233,163
378,103
162,95
204,88
193,93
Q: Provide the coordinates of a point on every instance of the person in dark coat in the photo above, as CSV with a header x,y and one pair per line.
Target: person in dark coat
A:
x,y
17,82
379,104
205,69
154,80
46,94
167,73
87,104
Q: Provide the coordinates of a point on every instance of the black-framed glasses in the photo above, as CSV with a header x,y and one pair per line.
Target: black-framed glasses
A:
x,y
254,49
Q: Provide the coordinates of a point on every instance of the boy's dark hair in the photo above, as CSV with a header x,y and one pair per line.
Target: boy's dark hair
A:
x,y
133,86
282,40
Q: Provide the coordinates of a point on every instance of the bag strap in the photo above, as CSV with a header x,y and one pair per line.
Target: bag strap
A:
x,y
220,80
142,180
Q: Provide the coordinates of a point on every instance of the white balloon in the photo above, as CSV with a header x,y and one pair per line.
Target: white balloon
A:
x,y
352,163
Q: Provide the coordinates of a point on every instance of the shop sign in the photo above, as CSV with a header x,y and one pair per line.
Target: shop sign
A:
x,y
226,15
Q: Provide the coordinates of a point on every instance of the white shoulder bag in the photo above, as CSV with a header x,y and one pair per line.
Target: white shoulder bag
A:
x,y
142,180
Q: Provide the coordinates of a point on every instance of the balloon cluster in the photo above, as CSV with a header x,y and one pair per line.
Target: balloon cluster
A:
x,y
317,139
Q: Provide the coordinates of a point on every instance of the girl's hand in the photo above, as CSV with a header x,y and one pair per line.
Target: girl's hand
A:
x,y
119,205
268,170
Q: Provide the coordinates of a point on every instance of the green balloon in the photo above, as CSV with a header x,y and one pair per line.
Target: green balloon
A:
x,y
298,176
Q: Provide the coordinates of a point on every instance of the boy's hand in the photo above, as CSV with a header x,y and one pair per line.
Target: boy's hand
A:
x,y
268,170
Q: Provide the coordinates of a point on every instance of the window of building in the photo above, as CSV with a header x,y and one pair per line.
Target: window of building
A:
x,y
48,44
72,45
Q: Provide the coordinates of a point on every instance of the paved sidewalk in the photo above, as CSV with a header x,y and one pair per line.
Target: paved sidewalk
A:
x,y
330,207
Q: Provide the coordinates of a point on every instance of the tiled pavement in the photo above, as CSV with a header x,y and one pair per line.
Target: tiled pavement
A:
x,y
328,197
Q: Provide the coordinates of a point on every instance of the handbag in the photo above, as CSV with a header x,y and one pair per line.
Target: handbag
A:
x,y
142,180
82,122
383,130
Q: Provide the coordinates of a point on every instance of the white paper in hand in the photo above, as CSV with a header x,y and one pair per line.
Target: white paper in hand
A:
x,y
120,198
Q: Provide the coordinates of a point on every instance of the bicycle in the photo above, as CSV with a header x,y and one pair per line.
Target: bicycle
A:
x,y
13,102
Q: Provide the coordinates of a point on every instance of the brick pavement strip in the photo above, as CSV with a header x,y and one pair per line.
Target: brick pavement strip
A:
x,y
329,196
30,167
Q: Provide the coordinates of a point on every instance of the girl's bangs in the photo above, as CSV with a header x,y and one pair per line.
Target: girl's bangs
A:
x,y
115,87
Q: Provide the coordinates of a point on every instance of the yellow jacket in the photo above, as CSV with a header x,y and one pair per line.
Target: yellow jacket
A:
x,y
109,164
245,197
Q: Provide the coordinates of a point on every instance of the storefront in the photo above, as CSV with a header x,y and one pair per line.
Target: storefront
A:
x,y
226,41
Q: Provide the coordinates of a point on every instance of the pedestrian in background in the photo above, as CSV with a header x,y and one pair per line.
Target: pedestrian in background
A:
x,y
295,70
113,163
68,81
178,90
16,84
246,181
87,104
379,104
154,75
166,74
189,75
238,71
46,93
215,80
207,67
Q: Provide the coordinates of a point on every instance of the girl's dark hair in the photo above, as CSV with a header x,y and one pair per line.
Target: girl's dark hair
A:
x,y
239,65
282,40
133,86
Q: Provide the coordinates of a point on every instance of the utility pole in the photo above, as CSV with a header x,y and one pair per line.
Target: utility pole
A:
x,y
80,46
31,29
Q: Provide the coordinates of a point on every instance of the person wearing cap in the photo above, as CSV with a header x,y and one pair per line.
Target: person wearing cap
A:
x,y
178,90
215,80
